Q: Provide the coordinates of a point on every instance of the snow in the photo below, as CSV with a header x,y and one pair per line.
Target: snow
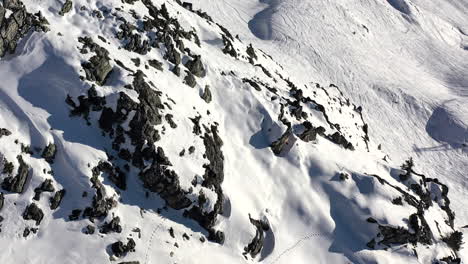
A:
x,y
403,61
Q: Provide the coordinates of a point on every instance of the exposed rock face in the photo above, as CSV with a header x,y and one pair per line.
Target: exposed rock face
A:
x,y
251,53
195,66
256,245
49,153
339,139
190,79
57,199
101,204
33,212
120,249
310,132
16,184
112,226
206,96
160,179
46,186
156,64
15,27
98,68
212,179
279,145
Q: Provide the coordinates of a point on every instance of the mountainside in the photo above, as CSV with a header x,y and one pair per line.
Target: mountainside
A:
x,y
149,131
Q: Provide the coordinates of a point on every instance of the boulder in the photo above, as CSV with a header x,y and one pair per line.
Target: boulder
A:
x,y
33,212
49,153
67,6
190,79
195,66
57,199
206,96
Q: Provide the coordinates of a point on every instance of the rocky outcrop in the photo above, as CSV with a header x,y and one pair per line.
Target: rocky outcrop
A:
x,y
310,133
17,25
112,226
57,199
46,186
212,179
206,96
195,66
190,79
98,68
256,245
164,181
33,212
49,153
282,143
16,184
120,249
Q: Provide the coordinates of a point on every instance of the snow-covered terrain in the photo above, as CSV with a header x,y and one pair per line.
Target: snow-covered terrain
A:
x,y
140,131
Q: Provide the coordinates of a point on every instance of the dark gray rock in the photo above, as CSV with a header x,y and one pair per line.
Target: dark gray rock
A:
x,y
120,249
89,230
98,68
216,236
67,6
156,64
160,179
33,212
279,145
310,133
195,66
57,199
112,226
46,186
75,214
207,94
16,184
49,153
256,245
4,131
190,79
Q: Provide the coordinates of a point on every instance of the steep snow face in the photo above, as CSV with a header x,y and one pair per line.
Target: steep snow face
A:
x,y
403,61
145,132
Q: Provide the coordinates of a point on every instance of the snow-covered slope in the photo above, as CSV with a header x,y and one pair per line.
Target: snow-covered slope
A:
x,y
144,132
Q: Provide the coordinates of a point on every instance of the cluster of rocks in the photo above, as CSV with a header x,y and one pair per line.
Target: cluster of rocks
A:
x,y
111,226
98,68
33,212
17,25
424,192
120,249
46,186
212,179
142,133
49,153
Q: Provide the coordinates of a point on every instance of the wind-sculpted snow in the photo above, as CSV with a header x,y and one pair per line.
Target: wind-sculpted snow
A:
x,y
143,131
261,23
